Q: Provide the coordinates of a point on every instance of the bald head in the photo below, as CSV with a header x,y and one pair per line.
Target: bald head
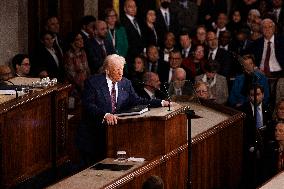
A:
x,y
5,72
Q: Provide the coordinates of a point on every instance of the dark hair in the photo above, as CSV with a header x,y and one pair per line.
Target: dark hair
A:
x,y
18,59
257,86
87,20
48,18
248,56
153,182
44,33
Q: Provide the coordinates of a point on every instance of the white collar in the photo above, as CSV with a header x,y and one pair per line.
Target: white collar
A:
x,y
131,18
271,39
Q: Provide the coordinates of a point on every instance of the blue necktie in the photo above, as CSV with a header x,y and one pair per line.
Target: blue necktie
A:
x,y
258,118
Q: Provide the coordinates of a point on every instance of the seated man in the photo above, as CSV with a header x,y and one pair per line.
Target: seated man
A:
x,y
179,85
103,96
21,65
151,88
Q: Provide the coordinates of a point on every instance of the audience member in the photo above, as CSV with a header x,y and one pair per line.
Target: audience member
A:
x,y
185,43
153,182
256,136
154,63
150,30
253,15
200,37
133,30
99,47
169,45
5,73
217,83
166,21
242,83
136,75
76,64
151,88
242,43
279,89
87,28
194,65
179,85
47,61
256,31
279,136
103,96
278,15
202,90
21,65
279,111
116,32
219,55
268,50
166,71
187,14
225,40
235,22
52,25
221,22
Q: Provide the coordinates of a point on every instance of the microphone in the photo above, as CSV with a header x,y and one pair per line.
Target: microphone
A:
x,y
15,87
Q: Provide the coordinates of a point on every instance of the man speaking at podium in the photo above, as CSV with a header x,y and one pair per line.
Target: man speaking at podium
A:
x,y
103,96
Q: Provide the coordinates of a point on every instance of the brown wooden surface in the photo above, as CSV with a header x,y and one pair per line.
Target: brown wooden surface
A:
x,y
28,124
147,137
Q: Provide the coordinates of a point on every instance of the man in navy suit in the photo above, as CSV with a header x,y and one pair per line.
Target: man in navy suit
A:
x,y
103,96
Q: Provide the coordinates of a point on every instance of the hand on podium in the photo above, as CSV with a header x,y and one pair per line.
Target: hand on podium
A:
x,y
110,119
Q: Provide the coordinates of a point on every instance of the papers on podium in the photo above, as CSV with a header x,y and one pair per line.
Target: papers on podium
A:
x,y
136,110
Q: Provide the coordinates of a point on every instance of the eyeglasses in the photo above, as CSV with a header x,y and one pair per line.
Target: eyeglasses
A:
x,y
201,91
25,64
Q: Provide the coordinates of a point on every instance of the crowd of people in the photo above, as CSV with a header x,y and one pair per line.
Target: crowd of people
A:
x,y
234,59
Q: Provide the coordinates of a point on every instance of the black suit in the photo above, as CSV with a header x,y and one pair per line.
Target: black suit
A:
x,y
135,40
224,60
96,54
162,28
263,138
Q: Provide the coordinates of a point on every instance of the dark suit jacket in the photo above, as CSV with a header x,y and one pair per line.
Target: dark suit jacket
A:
x,y
257,50
135,41
43,60
225,62
95,53
161,26
96,101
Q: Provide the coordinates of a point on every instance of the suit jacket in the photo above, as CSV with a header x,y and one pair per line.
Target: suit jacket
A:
x,y
121,42
96,101
225,62
96,55
257,50
219,91
44,61
162,28
135,41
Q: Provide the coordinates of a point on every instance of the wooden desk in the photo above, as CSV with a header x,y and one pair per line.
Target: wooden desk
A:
x,y
277,182
33,134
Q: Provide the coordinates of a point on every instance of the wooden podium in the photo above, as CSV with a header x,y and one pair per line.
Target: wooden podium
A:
x,y
33,134
149,135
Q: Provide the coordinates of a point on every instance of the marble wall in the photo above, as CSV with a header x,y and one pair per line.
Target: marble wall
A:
x,y
13,28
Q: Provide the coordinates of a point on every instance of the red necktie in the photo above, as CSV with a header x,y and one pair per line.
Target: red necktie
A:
x,y
267,57
113,97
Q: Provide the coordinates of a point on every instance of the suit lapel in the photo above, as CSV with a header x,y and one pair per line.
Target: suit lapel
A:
x,y
105,91
119,95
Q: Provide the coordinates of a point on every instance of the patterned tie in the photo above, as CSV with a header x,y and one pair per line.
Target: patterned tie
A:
x,y
258,118
136,26
113,97
267,57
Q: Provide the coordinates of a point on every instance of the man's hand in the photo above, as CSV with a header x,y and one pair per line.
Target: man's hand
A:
x,y
110,119
166,103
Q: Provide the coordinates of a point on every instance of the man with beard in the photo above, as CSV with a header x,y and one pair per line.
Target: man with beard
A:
x,y
243,82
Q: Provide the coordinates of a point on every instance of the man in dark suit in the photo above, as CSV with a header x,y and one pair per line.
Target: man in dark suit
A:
x,y
103,96
99,47
268,50
133,30
165,21
221,56
257,135
87,28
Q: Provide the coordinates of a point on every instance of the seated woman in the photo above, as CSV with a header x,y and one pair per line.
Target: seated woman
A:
x,y
21,65
76,64
136,75
202,90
